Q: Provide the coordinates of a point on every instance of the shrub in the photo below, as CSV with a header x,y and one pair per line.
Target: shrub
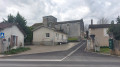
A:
x,y
73,39
104,50
104,47
18,50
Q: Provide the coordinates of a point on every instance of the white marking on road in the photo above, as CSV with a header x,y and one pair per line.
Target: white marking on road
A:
x,y
54,65
72,52
29,60
42,59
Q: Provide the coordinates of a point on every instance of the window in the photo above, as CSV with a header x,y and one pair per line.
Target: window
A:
x,y
105,32
62,37
47,34
56,34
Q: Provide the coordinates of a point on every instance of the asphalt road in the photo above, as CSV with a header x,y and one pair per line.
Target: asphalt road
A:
x,y
74,57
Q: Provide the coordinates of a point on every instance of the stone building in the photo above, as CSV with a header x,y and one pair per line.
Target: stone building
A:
x,y
100,32
58,31
48,36
74,28
13,36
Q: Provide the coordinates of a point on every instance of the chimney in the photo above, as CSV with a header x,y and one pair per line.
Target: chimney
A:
x,y
91,21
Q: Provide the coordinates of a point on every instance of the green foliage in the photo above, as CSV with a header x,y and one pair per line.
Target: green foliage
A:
x,y
104,50
118,19
18,50
11,19
104,47
29,34
73,39
115,29
20,20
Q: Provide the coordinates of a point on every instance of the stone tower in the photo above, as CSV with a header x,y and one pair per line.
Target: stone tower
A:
x,y
49,21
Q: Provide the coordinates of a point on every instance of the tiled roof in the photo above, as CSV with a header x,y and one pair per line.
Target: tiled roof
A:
x,y
6,25
73,21
100,26
48,28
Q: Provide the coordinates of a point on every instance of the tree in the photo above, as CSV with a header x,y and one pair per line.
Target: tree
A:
x,y
112,22
20,20
118,19
10,19
103,21
115,30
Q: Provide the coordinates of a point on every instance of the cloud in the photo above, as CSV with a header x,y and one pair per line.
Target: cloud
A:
x,y
63,10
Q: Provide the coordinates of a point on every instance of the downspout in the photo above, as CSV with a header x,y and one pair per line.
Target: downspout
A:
x,y
54,39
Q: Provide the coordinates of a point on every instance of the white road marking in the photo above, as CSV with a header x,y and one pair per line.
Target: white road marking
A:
x,y
50,65
43,59
72,52
29,60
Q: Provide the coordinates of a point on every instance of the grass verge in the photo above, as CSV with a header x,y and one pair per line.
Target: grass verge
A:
x,y
104,50
16,51
72,39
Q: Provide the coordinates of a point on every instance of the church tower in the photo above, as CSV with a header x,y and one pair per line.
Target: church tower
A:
x,y
49,21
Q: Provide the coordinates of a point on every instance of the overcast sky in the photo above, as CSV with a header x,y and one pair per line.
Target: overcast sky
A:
x,y
63,10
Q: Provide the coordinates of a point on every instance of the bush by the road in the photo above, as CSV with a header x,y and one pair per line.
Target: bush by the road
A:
x,y
72,39
18,50
104,49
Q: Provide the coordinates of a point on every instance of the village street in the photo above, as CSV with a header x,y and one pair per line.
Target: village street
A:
x,y
74,57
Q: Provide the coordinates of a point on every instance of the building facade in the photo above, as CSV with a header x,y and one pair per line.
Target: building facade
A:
x,y
100,32
73,28
48,36
13,36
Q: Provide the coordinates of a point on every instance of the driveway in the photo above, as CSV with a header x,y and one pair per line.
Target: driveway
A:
x,y
44,49
74,57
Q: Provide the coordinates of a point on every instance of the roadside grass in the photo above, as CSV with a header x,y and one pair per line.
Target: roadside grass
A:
x,y
16,51
70,39
104,50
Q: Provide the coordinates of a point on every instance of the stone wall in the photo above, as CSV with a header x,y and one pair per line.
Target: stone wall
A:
x,y
116,49
49,21
99,35
0,45
73,28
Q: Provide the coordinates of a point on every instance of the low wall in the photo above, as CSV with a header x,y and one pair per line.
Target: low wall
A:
x,y
116,47
45,43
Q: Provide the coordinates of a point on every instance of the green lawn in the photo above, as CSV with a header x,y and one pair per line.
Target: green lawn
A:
x,y
104,50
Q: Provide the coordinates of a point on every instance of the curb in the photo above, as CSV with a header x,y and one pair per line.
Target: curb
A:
x,y
102,53
3,56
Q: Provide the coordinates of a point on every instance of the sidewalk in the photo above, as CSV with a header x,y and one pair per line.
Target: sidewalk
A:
x,y
43,49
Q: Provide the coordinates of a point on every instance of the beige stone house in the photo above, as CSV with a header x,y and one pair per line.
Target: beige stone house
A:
x,y
73,28
48,36
13,36
100,32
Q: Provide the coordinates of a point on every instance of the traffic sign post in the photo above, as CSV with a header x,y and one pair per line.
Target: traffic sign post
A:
x,y
1,37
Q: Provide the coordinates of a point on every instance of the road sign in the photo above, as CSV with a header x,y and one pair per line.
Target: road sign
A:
x,y
2,35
